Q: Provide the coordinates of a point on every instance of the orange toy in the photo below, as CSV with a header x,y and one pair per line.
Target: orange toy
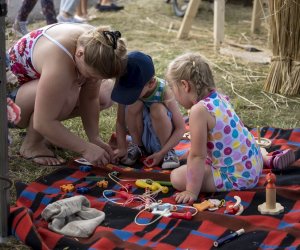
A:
x,y
67,188
270,206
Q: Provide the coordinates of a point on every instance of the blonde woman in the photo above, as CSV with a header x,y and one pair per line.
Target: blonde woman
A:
x,y
61,70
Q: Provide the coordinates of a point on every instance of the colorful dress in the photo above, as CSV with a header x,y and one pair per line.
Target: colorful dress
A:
x,y
233,154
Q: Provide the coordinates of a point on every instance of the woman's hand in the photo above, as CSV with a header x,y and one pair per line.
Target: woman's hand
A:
x,y
104,145
185,197
153,160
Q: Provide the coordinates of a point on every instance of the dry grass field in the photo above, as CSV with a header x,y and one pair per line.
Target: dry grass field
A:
x,y
151,26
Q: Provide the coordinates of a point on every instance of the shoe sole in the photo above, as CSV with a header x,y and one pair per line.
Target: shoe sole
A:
x,y
283,160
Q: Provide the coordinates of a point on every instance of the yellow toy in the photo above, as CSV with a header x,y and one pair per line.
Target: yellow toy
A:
x,y
152,185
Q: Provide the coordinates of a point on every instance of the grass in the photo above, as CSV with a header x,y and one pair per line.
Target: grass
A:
x,y
150,26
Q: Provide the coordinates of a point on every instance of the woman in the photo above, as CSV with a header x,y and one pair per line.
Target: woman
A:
x,y
61,71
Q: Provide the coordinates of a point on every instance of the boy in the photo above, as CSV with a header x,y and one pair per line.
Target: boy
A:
x,y
152,115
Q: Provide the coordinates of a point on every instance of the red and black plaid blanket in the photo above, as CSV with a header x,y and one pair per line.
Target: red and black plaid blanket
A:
x,y
118,231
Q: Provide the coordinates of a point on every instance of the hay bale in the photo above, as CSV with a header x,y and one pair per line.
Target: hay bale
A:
x,y
284,75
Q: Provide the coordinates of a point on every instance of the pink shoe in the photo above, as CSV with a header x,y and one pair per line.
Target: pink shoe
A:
x,y
281,159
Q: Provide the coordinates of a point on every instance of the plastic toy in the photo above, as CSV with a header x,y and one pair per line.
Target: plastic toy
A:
x,y
83,161
115,173
95,178
83,190
85,168
102,184
270,206
203,205
67,188
167,209
262,142
234,208
152,185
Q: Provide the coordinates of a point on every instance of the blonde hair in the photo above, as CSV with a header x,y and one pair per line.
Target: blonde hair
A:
x,y
192,68
104,51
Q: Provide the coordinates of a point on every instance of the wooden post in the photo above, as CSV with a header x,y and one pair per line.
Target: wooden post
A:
x,y
219,18
4,194
257,14
188,19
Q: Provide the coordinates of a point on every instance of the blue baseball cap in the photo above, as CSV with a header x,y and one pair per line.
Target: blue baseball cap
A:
x,y
139,71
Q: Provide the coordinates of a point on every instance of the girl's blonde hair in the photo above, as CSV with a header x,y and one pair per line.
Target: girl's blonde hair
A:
x,y
192,68
104,51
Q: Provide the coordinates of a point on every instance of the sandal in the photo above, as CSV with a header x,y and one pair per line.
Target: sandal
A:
x,y
33,159
281,159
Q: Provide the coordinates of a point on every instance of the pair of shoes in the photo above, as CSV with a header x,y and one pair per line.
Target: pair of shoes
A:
x,y
20,28
112,7
47,162
134,153
171,160
281,159
62,19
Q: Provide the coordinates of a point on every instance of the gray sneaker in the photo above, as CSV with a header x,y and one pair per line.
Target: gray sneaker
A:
x,y
133,154
170,160
19,28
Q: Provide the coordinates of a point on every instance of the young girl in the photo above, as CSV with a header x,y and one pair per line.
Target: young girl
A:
x,y
224,155
152,115
60,69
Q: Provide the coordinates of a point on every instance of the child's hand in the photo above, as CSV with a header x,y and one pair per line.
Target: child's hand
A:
x,y
185,197
153,160
119,154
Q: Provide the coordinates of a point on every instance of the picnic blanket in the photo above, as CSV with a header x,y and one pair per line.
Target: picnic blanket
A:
x,y
119,231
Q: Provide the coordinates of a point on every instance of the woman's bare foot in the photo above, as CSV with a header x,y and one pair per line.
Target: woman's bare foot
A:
x,y
39,153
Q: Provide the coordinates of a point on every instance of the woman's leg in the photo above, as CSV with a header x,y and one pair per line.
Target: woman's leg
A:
x,y
49,11
26,7
68,6
33,145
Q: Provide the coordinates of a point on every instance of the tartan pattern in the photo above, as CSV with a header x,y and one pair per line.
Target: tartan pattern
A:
x,y
118,231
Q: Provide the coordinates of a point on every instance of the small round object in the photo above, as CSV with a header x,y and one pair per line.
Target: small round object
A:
x,y
264,142
85,168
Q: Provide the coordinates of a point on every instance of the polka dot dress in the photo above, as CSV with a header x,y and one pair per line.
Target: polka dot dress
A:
x,y
234,156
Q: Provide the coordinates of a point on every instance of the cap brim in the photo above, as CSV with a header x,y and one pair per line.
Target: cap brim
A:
x,y
125,95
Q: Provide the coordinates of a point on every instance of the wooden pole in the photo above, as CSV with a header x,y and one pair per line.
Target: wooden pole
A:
x,y
188,19
3,130
219,19
257,14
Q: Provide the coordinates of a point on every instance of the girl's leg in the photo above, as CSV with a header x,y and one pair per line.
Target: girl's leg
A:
x,y
179,179
49,11
280,159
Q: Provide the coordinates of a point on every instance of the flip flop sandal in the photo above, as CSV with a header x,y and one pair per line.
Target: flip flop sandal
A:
x,y
43,156
281,159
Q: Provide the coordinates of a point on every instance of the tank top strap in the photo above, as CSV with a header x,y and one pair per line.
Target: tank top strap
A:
x,y
56,42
